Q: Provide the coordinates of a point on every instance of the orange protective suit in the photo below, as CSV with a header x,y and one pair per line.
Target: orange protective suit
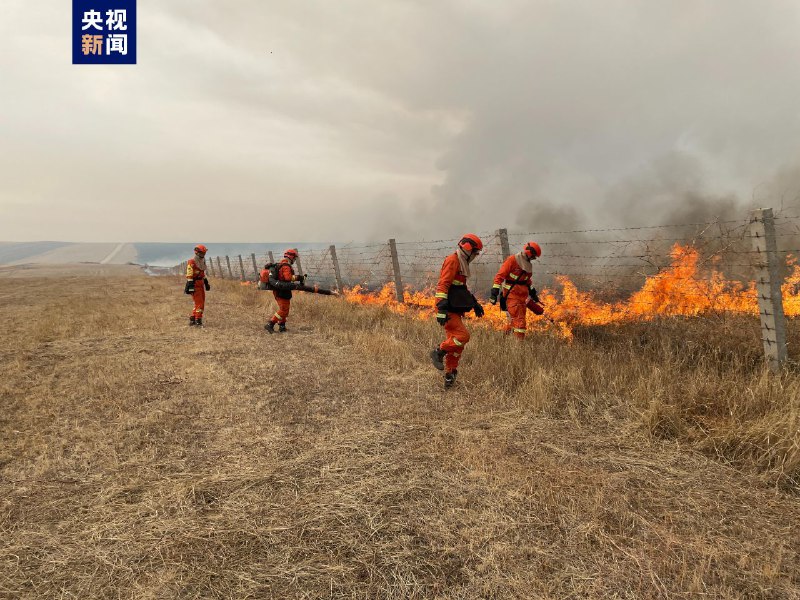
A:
x,y
457,338
515,285
196,274
452,286
282,313
283,297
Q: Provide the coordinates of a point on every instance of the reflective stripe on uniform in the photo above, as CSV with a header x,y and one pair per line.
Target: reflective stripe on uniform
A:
x,y
513,276
441,295
458,282
507,286
496,285
457,343
440,315
518,330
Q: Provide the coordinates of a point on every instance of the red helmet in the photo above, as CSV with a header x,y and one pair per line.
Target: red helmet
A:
x,y
200,249
470,243
532,250
291,254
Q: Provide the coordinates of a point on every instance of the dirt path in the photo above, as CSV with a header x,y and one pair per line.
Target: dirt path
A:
x,y
142,459
111,256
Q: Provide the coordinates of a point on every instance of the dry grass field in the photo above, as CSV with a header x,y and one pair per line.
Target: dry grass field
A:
x,y
143,459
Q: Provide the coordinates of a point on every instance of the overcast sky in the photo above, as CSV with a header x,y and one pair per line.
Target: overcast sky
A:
x,y
258,120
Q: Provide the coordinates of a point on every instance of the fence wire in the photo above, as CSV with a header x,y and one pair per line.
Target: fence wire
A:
x,y
620,259
589,276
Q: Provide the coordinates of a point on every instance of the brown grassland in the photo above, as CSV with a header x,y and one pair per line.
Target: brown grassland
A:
x,y
143,459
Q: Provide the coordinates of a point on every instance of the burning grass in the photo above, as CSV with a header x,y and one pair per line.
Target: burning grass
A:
x,y
140,459
686,287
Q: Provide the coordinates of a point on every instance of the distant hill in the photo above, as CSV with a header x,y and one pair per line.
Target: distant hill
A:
x,y
168,254
151,253
16,253
13,252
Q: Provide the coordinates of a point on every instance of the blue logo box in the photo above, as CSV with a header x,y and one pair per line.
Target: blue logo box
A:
x,y
103,32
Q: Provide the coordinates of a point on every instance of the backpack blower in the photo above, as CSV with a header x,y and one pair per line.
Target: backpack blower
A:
x,y
269,281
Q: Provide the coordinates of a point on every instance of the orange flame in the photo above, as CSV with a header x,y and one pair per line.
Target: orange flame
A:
x,y
679,290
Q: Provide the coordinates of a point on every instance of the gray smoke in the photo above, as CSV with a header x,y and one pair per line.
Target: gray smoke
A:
x,y
352,120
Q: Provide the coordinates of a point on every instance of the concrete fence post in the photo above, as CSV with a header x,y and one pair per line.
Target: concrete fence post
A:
x,y
502,235
768,286
271,259
337,273
398,281
219,268
241,267
255,265
211,266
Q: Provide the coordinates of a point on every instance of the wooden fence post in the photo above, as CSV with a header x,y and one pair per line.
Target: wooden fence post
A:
x,y
299,266
255,265
271,259
228,262
336,271
768,286
241,267
398,282
219,268
502,234
211,264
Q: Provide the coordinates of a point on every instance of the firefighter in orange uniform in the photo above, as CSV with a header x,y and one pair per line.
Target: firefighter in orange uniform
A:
x,y
514,287
197,284
283,297
453,299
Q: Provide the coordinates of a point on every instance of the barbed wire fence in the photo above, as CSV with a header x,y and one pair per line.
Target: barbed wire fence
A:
x,y
611,262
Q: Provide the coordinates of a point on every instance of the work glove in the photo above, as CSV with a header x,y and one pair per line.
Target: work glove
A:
x,y
534,295
301,279
208,285
503,304
477,308
189,289
441,312
493,295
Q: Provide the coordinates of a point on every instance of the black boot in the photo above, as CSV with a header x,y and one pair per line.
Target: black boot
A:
x,y
192,322
282,328
437,358
270,327
198,322
450,378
